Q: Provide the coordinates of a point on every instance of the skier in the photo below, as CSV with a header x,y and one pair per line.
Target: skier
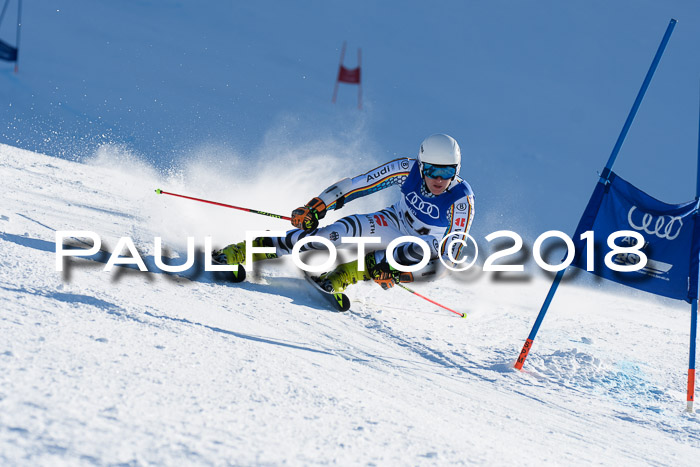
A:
x,y
434,202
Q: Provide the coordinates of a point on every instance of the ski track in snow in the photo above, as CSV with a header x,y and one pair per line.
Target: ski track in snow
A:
x,y
137,368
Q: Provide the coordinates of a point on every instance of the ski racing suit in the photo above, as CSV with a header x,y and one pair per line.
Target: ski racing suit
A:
x,y
417,213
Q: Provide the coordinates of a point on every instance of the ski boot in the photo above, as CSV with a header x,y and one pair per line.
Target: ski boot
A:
x,y
235,254
337,280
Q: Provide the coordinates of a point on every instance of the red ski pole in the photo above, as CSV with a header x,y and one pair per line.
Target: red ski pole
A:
x,y
461,315
161,192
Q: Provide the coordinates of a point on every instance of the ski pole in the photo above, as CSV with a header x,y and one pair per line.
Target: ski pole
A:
x,y
161,192
461,315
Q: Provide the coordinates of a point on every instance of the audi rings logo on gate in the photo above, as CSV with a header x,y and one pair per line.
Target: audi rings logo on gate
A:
x,y
668,227
422,206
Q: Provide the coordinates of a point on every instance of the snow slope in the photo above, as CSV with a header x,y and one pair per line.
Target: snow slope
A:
x,y
132,368
231,102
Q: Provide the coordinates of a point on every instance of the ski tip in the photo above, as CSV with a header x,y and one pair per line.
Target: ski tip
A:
x,y
159,191
343,302
238,276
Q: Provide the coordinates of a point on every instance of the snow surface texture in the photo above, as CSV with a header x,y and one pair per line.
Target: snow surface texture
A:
x,y
139,368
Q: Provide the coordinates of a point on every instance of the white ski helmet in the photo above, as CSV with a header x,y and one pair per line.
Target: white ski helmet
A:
x,y
440,149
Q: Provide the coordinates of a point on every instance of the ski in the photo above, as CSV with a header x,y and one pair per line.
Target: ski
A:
x,y
232,276
238,276
339,301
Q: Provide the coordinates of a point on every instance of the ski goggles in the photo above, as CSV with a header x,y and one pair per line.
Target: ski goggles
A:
x,y
443,171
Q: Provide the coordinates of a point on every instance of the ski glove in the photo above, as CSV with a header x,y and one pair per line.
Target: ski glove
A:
x,y
383,274
307,216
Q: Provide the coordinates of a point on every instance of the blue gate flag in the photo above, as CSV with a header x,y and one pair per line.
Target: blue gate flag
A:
x,y
672,239
7,52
